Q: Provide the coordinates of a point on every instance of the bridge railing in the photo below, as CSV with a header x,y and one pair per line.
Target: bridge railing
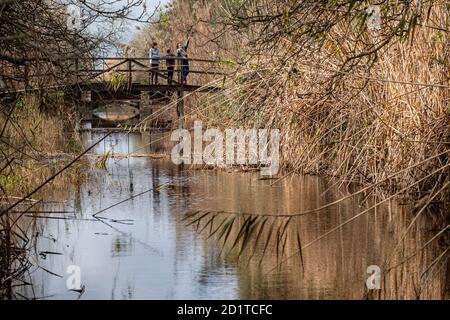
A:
x,y
136,69
41,73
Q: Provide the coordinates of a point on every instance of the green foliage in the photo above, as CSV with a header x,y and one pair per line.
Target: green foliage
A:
x,y
10,182
288,11
407,27
73,146
118,80
439,36
294,119
359,20
20,101
164,20
228,63
412,26
351,4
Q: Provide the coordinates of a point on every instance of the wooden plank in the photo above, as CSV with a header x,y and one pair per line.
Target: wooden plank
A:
x,y
137,87
100,71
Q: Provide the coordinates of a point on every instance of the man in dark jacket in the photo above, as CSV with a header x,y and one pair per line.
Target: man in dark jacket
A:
x,y
182,53
170,63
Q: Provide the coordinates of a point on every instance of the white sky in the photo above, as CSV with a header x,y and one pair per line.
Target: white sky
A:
x,y
125,30
131,25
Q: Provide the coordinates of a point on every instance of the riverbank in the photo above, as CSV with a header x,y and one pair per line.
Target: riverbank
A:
x,y
37,138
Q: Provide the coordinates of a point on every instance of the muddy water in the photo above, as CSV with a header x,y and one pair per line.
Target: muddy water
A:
x,y
142,249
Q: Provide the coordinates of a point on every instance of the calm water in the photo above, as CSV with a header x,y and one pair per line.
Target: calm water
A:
x,y
142,249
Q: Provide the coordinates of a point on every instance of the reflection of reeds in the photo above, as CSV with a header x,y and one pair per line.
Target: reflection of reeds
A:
x,y
238,232
323,246
34,141
13,257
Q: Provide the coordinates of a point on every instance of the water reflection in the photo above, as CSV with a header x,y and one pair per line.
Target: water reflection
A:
x,y
141,249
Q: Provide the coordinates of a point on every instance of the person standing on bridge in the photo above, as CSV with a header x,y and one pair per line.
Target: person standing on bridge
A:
x,y
155,57
170,63
182,54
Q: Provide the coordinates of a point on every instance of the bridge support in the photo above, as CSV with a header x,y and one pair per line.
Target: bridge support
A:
x,y
145,105
27,77
86,95
180,109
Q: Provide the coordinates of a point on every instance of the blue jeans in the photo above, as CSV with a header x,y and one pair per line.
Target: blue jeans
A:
x,y
184,72
154,74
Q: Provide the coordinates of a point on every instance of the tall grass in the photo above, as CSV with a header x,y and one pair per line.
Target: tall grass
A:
x,y
379,121
363,125
36,139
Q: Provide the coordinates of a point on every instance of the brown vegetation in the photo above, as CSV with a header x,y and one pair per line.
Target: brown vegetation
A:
x,y
366,106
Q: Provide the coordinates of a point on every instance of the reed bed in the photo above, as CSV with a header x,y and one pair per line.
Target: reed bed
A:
x,y
35,141
361,125
374,119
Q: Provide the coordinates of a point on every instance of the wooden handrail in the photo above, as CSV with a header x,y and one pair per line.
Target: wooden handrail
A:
x,y
119,58
83,68
160,70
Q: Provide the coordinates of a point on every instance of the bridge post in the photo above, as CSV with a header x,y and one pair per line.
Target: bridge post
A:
x,y
86,95
77,71
180,96
27,77
130,75
180,108
145,105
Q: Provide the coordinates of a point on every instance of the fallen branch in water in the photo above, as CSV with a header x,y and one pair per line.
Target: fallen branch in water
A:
x,y
26,199
58,218
153,156
37,211
48,271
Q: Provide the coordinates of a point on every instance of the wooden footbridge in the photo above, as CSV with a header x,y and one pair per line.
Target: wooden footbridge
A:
x,y
118,78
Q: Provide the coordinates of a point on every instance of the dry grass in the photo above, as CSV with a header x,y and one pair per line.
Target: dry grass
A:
x,y
34,144
367,126
382,124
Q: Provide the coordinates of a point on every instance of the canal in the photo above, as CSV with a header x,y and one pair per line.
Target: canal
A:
x,y
123,228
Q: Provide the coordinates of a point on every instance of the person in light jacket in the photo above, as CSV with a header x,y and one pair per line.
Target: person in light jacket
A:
x,y
155,57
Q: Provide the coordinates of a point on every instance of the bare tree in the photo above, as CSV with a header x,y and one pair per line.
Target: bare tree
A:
x,y
41,43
